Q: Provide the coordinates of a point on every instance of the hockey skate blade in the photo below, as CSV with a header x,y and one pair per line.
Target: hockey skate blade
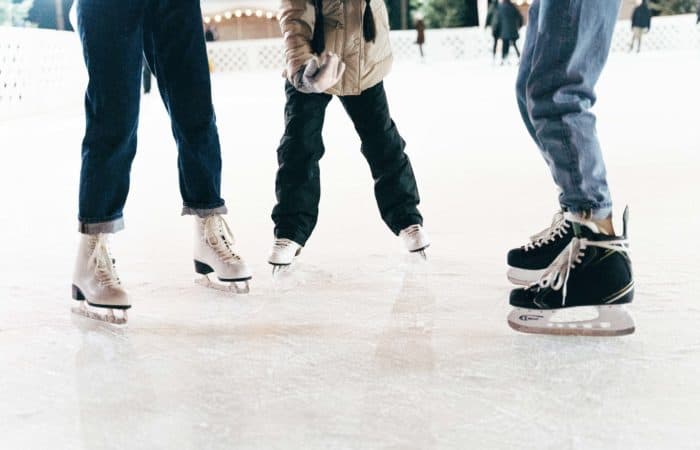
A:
x,y
613,320
101,314
233,287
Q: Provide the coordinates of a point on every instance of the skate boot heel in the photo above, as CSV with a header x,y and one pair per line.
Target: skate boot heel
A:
x,y
77,293
201,268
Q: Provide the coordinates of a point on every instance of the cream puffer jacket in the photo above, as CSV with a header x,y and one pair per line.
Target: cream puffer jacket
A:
x,y
366,63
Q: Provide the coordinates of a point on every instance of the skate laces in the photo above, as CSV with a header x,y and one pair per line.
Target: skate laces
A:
x,y
105,270
556,276
281,244
218,236
412,231
556,230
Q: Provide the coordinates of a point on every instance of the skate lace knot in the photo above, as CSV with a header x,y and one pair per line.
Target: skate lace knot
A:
x,y
555,231
556,276
219,237
105,269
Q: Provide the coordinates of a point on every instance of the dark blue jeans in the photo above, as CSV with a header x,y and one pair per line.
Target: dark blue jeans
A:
x,y
567,45
115,36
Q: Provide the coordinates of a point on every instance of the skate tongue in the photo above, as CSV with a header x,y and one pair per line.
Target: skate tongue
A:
x,y
573,218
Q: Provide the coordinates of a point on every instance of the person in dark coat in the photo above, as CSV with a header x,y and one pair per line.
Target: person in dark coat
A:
x,y
492,21
420,30
509,23
641,23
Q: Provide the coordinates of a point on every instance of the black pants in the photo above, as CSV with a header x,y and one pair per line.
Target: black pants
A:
x,y
506,47
298,186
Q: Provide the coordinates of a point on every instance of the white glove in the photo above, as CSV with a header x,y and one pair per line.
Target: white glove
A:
x,y
319,74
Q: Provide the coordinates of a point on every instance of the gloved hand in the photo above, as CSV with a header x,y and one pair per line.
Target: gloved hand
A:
x,y
319,74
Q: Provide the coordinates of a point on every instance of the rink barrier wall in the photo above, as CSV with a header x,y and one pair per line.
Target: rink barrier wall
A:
x,y
454,44
43,70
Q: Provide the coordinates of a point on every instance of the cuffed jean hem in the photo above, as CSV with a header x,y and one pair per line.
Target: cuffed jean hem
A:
x,y
111,226
203,212
599,213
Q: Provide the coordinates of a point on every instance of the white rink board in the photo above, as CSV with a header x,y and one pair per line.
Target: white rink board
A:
x,y
363,349
41,70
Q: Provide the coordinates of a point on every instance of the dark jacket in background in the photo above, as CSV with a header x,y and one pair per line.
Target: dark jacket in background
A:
x,y
641,17
492,18
420,29
509,21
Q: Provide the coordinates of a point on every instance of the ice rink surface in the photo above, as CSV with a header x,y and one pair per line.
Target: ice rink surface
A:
x,y
361,346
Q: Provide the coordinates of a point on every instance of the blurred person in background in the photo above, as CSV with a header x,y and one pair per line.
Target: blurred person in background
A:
x,y
146,77
492,22
420,32
210,34
641,23
509,23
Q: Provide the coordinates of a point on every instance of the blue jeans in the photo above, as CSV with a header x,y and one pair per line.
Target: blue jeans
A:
x,y
115,36
567,45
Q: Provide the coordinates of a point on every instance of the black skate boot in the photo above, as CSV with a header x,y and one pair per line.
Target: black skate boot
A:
x,y
526,264
593,270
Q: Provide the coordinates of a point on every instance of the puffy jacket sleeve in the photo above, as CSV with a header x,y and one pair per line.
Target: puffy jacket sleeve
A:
x,y
297,22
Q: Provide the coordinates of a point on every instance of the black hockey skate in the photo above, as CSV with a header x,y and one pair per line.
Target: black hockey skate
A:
x,y
526,264
593,270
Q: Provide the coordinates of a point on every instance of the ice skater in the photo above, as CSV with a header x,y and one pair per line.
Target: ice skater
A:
x,y
492,21
339,48
508,24
419,24
578,260
115,36
641,23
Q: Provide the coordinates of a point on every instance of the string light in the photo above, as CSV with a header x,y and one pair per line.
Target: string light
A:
x,y
218,18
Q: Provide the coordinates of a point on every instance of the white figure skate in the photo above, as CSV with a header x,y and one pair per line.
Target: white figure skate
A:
x,y
215,259
415,239
96,284
282,255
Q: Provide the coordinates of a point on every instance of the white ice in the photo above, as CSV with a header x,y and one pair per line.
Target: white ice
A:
x,y
362,347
